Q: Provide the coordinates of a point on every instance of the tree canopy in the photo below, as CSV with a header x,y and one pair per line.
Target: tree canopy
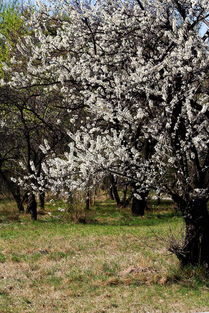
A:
x,y
135,71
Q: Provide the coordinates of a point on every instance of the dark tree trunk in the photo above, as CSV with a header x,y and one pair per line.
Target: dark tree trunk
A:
x,y
114,190
93,195
179,202
88,201
125,201
32,206
139,205
42,199
125,194
111,193
19,201
195,250
27,201
14,189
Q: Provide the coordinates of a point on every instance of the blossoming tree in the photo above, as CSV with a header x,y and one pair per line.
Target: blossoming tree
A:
x,y
139,70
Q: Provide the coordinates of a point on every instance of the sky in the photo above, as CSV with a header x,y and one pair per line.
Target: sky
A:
x,y
203,28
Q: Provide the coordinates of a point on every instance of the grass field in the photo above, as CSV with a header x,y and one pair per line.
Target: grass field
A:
x,y
114,263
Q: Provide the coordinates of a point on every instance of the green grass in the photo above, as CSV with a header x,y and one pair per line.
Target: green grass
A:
x,y
113,263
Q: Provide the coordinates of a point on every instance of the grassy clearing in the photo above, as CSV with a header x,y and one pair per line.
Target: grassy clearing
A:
x,y
115,263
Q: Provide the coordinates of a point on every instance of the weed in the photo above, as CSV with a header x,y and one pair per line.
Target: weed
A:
x,y
57,255
2,258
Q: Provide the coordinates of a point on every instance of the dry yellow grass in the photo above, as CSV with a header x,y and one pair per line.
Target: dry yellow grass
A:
x,y
57,267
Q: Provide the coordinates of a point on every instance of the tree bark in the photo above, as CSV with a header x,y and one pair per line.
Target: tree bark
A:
x,y
111,193
195,249
42,199
125,201
88,201
32,206
19,202
139,205
114,190
14,189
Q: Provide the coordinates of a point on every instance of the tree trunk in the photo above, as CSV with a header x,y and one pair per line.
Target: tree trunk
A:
x,y
19,202
125,201
42,199
195,249
139,205
14,189
70,202
32,206
88,201
114,190
111,193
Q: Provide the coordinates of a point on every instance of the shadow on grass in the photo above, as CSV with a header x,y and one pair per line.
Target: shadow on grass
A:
x,y
110,214
190,277
132,222
102,213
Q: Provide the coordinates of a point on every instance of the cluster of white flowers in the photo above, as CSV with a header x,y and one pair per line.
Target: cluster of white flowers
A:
x,y
139,75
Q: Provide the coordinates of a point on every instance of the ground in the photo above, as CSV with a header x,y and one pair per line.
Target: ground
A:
x,y
114,263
